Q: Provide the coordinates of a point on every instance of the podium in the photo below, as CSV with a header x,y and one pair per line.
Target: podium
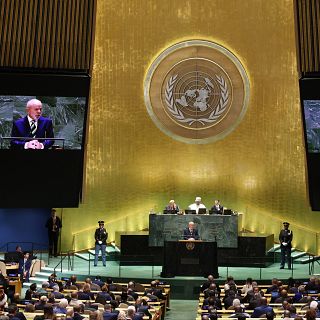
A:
x,y
189,258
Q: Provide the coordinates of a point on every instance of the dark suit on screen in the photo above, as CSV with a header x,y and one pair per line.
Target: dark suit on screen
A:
x,y
21,128
187,234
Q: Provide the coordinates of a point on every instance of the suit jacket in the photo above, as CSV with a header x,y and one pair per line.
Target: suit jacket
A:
x,y
215,210
286,236
49,224
258,311
26,265
101,235
187,234
21,128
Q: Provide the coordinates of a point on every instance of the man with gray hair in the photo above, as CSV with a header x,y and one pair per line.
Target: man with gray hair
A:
x,y
131,314
26,131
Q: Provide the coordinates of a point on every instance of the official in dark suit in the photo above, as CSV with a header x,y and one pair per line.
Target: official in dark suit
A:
x,y
53,225
101,236
285,238
217,208
32,127
24,267
190,232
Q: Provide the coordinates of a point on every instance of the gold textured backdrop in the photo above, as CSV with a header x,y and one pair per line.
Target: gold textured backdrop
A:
x,y
259,169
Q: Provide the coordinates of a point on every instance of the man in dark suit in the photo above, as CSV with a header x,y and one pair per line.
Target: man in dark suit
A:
x,y
24,267
53,225
285,238
217,208
262,309
191,233
31,127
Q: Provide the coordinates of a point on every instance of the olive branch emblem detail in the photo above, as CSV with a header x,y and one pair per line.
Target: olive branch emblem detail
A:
x,y
214,115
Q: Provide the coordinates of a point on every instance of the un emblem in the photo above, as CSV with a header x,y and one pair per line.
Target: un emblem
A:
x,y
196,91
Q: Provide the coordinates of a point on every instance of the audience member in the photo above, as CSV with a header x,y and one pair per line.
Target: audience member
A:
x,y
3,300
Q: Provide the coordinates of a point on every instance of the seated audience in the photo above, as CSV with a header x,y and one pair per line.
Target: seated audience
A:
x,y
61,307
197,205
3,300
263,309
74,300
172,207
217,208
109,313
29,308
41,304
31,292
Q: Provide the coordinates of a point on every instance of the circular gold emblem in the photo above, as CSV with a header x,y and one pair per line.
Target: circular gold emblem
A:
x,y
190,245
196,91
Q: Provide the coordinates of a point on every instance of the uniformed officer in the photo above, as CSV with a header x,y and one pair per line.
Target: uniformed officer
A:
x,y
285,238
101,236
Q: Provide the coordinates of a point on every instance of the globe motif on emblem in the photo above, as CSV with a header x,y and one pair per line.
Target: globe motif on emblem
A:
x,y
196,91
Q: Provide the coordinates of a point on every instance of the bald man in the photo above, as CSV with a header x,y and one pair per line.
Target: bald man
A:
x,y
32,127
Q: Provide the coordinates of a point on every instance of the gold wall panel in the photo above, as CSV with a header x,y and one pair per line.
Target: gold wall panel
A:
x,y
258,169
46,34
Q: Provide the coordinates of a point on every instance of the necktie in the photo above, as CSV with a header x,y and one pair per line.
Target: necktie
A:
x,y
33,129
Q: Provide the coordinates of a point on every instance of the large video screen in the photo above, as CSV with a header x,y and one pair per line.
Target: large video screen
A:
x,y
42,138
312,124
310,102
66,113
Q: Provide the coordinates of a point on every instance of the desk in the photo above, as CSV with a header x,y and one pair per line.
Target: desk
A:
x,y
212,228
190,258
12,266
16,284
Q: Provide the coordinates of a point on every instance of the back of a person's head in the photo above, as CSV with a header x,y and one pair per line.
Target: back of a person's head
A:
x,y
74,295
94,315
70,313
43,299
86,287
77,308
109,281
33,286
63,303
12,308
313,304
235,303
270,315
73,279
4,317
48,311
131,311
107,306
213,316
311,314
104,288
29,308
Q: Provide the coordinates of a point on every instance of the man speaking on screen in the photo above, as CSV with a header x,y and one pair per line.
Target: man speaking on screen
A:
x,y
32,127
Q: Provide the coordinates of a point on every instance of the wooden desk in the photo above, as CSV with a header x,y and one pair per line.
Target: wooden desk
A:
x,y
16,284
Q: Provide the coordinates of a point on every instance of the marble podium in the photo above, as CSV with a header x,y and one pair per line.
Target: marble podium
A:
x,y
212,228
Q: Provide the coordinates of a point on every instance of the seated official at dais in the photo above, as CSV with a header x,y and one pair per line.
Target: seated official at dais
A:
x,y
172,208
217,208
197,205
